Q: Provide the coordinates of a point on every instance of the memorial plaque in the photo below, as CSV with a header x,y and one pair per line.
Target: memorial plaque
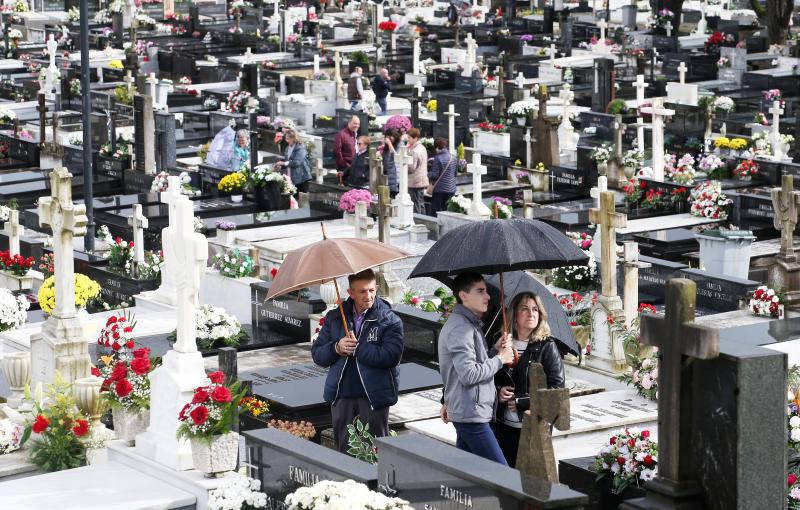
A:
x,y
117,288
420,333
575,180
719,293
754,207
653,279
325,197
603,124
284,463
286,315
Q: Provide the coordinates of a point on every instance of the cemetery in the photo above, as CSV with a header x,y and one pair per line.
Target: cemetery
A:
x,y
399,254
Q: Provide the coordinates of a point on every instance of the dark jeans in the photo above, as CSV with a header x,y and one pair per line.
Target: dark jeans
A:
x,y
508,439
478,438
418,197
382,104
439,202
302,187
344,412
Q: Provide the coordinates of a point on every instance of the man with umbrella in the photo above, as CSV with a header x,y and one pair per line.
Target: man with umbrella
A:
x,y
468,371
362,357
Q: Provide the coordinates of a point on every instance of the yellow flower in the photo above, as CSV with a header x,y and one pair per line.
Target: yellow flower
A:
x,y
86,289
540,166
722,143
116,64
517,162
738,144
431,105
232,183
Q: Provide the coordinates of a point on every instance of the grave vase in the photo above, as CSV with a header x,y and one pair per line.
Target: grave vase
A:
x,y
129,423
629,171
16,369
217,456
268,197
349,218
87,397
226,237
236,198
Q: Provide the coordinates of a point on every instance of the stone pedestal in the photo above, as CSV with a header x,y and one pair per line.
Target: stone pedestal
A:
x,y
175,381
784,274
59,347
607,354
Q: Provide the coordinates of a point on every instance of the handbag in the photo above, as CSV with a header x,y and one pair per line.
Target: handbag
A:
x,y
432,187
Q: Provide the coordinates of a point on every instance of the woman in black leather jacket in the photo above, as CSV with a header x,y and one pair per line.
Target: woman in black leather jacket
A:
x,y
533,342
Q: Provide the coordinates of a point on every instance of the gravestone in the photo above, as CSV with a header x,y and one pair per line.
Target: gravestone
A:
x,y
431,474
60,347
719,293
603,85
166,149
144,135
284,319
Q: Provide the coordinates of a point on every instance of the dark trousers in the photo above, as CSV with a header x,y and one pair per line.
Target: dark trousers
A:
x,y
508,439
439,201
418,197
478,438
344,412
302,187
382,105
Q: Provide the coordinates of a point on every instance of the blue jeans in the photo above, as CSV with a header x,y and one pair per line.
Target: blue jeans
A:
x,y
382,104
478,438
355,105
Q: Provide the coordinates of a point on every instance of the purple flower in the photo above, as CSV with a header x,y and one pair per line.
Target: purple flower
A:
x,y
399,122
225,225
503,201
526,38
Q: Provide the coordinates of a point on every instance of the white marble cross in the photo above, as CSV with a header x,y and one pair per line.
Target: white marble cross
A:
x,y
669,27
417,51
478,208
316,64
362,222
630,284
777,145
552,54
520,80
129,80
682,71
320,171
402,204
659,113
168,278
419,89
13,230
640,88
602,185
138,222
66,220
248,55
640,134
451,126
528,150
152,81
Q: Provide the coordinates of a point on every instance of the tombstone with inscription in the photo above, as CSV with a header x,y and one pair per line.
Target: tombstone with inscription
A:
x,y
603,87
284,319
61,347
144,134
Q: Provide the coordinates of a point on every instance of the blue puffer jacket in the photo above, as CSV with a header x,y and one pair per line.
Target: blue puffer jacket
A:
x,y
447,163
390,170
377,356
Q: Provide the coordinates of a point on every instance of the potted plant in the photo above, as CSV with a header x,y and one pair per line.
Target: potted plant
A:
x,y
233,184
206,422
746,170
501,208
459,204
126,385
13,310
617,107
15,271
86,290
520,110
234,264
225,230
348,200
632,160
633,190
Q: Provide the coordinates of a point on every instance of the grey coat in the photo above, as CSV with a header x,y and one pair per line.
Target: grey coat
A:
x,y
466,368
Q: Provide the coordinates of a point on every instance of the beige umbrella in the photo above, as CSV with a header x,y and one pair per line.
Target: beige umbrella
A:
x,y
328,260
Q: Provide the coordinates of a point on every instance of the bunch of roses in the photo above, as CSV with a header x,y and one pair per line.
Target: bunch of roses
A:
x,y
629,457
709,201
126,383
117,334
766,302
210,412
16,264
746,169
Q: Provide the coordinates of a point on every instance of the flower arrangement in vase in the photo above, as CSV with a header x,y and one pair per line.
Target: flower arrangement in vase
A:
x,y
724,104
459,204
713,166
206,422
708,201
577,278
120,256
501,208
399,122
746,170
234,264
328,494
215,327
760,119
347,202
86,290
239,101
601,155
653,199
633,190
767,303
521,110
233,184
680,170
15,264
630,457
493,127
237,492
160,182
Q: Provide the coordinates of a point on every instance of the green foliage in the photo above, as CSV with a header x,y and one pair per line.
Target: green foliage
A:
x,y
359,56
617,107
122,95
446,305
706,102
361,443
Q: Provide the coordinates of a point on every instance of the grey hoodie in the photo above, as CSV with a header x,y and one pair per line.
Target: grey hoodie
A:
x,y
466,368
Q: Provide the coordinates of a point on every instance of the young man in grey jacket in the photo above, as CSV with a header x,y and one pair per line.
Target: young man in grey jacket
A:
x,y
468,371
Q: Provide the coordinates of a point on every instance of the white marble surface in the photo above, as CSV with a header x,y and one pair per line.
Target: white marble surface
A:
x,y
100,486
791,348
663,223
16,465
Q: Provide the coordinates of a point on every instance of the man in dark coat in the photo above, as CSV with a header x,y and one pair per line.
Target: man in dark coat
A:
x,y
344,144
363,365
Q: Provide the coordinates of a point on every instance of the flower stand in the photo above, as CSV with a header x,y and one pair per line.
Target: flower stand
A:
x,y
127,424
218,456
13,282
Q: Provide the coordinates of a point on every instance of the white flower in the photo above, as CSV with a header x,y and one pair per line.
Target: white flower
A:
x,y
794,422
795,435
647,475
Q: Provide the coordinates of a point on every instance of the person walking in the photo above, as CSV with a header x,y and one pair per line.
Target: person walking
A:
x,y
443,173
467,370
417,170
355,89
381,86
362,366
344,144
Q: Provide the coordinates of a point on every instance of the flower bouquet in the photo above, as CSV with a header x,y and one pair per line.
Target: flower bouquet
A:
x,y
492,127
633,158
793,484
577,278
708,201
520,109
151,267
713,166
7,116
459,204
387,26
206,422
571,304
724,104
328,494
629,457
232,184
746,170
766,302
120,256
347,202
238,492
238,101
653,199
399,122
602,154
431,105
680,170
501,208
10,436
117,334
15,264
215,327
723,63
234,264
160,183
86,290
633,190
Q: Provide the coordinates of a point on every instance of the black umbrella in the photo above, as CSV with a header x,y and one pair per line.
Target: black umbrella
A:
x,y
499,246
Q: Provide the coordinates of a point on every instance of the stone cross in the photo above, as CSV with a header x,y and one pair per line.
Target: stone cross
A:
x,y
679,341
316,64
66,220
361,221
777,145
52,70
630,284
669,27
469,61
129,80
319,171
552,54
139,223
640,86
519,81
375,170
785,202
608,220
549,407
384,214
595,193
528,205
403,205
640,134
451,126
658,112
602,25
478,208
337,71
528,153
415,68
13,230
682,72
152,81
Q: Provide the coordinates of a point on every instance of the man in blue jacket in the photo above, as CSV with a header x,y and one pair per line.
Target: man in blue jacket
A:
x,y
362,366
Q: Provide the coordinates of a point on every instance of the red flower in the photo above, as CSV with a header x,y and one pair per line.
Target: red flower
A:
x,y
631,442
140,365
645,434
141,353
40,424
199,415
791,479
648,460
120,372
221,394
96,372
273,272
643,184
182,415
613,440
123,388
200,396
111,320
129,344
217,377
621,461
128,329
116,346
82,427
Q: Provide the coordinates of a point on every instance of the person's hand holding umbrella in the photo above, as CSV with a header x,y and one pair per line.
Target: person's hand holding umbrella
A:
x,y
346,346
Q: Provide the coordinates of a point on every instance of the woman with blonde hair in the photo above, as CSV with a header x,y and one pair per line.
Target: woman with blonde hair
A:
x,y
535,344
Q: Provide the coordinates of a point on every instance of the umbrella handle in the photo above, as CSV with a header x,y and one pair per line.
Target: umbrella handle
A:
x,y
503,304
341,308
